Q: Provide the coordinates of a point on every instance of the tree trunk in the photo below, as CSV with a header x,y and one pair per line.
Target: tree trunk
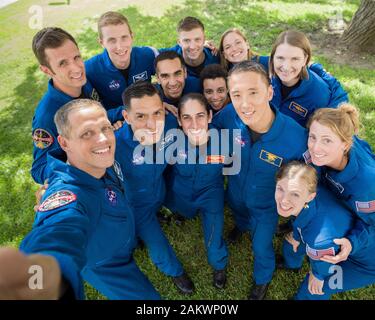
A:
x,y
360,34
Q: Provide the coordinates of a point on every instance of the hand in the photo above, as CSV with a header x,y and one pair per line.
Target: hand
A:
x,y
292,241
345,249
117,125
170,108
211,45
16,276
39,194
315,285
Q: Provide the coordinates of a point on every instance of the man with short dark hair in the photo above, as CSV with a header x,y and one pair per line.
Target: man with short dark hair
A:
x,y
214,82
60,59
173,79
120,64
265,144
84,228
191,41
142,145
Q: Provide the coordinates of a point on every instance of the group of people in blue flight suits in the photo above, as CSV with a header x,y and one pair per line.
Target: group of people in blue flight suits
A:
x,y
115,148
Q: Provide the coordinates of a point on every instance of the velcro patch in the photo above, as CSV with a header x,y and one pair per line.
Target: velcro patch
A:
x,y
95,95
296,108
42,138
317,254
58,199
271,158
365,206
215,159
140,77
307,157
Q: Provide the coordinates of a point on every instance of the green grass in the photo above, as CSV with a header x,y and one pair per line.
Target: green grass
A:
x,y
22,86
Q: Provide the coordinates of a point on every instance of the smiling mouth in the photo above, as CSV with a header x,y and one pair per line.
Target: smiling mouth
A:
x,y
77,77
102,151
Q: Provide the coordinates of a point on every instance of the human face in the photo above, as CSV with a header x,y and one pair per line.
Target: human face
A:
x,y
250,97
66,68
194,121
146,116
235,48
91,142
288,62
216,92
118,41
192,44
171,76
291,195
325,147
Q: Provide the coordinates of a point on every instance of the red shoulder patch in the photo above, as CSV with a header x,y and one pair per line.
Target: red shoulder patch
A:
x,y
57,200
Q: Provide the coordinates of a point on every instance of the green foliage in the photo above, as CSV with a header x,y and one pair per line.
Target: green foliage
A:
x,y
261,21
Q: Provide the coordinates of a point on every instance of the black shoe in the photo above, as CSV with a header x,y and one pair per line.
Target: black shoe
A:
x,y
179,219
234,235
162,218
259,291
220,279
280,264
184,283
284,228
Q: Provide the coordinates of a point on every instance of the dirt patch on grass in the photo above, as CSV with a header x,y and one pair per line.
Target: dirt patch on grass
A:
x,y
329,45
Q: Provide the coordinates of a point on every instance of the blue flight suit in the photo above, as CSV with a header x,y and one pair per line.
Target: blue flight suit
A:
x,y
326,219
209,58
195,185
356,188
316,226
250,193
44,130
262,60
312,93
191,85
145,185
88,226
110,82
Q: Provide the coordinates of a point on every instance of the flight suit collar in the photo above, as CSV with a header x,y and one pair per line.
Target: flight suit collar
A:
x,y
349,172
306,215
73,175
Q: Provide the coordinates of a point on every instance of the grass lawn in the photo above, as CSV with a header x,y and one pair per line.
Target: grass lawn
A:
x,y
22,86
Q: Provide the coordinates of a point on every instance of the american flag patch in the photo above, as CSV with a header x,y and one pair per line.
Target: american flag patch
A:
x,y
365,206
317,254
307,157
215,159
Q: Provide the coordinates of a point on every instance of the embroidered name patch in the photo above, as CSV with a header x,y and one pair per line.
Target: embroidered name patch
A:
x,y
140,77
42,138
307,157
270,158
215,159
365,206
57,200
296,108
317,254
337,185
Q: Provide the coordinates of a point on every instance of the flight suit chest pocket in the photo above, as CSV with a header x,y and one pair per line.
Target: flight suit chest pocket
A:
x,y
114,230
